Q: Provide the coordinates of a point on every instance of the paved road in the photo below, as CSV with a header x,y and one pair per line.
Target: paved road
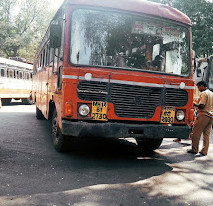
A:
x,y
98,173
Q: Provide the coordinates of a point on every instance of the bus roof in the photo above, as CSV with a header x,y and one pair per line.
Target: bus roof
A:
x,y
139,6
15,63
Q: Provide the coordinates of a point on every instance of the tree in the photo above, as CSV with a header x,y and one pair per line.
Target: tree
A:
x,y
201,14
22,25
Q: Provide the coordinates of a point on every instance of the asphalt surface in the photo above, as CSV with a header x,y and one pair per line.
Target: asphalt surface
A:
x,y
97,172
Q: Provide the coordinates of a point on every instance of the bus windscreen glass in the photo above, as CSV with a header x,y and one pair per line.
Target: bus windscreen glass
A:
x,y
110,39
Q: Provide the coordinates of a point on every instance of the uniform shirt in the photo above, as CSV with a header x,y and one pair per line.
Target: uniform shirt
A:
x,y
206,98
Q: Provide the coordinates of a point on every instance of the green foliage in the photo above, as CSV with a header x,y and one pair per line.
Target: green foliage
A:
x,y
22,25
201,14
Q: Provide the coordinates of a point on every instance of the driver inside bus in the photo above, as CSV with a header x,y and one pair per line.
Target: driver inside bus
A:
x,y
157,64
142,58
136,60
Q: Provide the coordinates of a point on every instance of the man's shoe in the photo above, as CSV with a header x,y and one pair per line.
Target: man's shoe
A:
x,y
202,154
192,151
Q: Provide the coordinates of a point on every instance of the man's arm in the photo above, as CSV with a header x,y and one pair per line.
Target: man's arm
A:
x,y
199,106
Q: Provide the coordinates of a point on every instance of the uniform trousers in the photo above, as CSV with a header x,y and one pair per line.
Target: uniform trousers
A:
x,y
202,125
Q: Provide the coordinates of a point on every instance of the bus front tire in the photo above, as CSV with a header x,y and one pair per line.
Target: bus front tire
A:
x,y
147,145
5,102
39,114
27,101
60,141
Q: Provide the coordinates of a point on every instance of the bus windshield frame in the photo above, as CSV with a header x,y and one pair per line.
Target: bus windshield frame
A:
x,y
129,41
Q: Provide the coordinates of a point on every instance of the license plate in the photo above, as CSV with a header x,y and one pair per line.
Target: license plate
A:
x,y
168,115
99,110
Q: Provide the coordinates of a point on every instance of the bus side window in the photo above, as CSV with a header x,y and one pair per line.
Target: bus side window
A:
x,y
11,73
2,72
47,55
62,22
44,58
20,75
27,76
51,55
17,74
55,59
41,57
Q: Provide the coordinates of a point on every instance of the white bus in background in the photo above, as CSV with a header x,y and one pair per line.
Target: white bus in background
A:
x,y
15,81
209,73
204,71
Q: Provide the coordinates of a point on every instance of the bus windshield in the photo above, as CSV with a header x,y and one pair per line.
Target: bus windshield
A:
x,y
110,39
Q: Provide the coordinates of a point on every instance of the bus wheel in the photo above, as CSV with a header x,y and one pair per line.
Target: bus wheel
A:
x,y
27,101
147,145
39,114
59,140
6,102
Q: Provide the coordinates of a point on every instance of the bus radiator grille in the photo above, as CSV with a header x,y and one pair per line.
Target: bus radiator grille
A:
x,y
135,101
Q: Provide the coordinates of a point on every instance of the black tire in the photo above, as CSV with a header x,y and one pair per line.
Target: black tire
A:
x,y
27,101
6,102
147,145
60,141
39,114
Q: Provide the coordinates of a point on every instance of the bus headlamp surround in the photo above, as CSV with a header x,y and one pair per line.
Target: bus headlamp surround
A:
x,y
180,115
84,110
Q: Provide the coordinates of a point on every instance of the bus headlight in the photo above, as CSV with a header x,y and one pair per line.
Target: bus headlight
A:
x,y
84,110
180,115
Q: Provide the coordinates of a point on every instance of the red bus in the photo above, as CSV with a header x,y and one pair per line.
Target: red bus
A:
x,y
116,69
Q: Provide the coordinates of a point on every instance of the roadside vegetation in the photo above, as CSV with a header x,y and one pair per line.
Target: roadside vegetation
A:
x,y
22,25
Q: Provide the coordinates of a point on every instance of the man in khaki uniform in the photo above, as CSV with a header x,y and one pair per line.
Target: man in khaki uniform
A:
x,y
204,120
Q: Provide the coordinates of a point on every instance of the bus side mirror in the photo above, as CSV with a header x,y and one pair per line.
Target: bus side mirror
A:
x,y
55,35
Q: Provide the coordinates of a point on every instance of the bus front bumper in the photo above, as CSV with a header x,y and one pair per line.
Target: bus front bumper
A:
x,y
123,130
